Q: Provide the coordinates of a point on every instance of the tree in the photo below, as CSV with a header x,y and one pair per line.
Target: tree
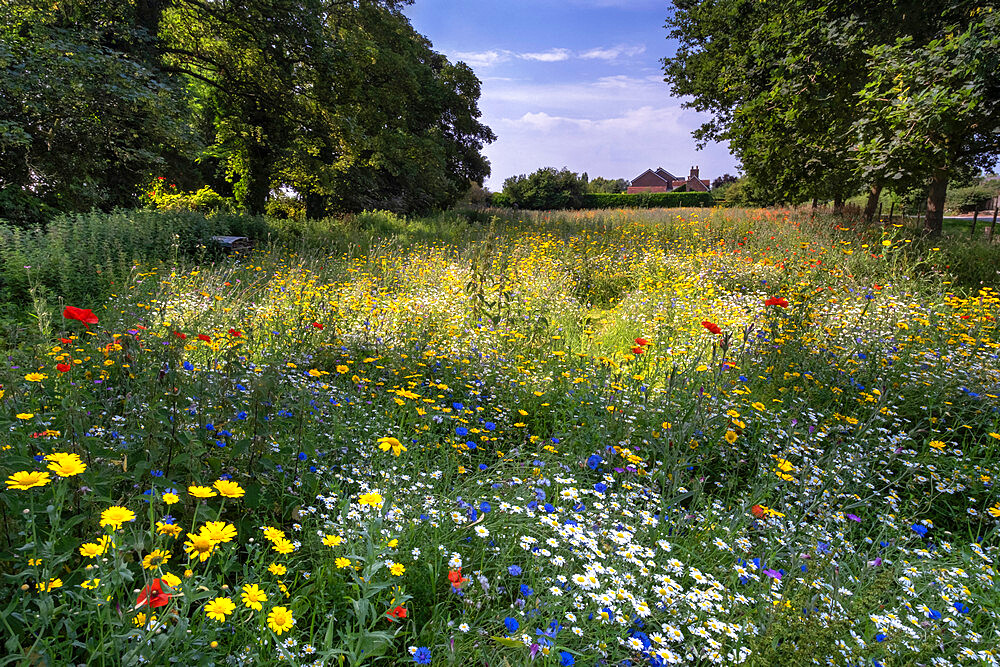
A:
x,y
933,109
612,186
546,189
83,120
722,181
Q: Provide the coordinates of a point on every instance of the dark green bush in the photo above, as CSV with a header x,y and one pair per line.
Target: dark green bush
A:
x,y
648,200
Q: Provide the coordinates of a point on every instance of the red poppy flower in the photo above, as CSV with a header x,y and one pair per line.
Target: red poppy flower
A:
x,y
317,325
776,301
182,336
65,341
152,595
636,350
83,315
757,511
234,333
641,342
456,579
139,326
398,612
204,338
63,368
712,327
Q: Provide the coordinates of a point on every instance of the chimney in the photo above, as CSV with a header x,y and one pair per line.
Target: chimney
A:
x,y
694,173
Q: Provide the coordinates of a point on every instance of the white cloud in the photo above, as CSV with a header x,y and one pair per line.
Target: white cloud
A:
x,y
481,58
613,52
550,56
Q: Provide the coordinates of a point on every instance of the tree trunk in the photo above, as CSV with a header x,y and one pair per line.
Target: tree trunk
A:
x,y
838,205
315,206
874,191
892,209
934,220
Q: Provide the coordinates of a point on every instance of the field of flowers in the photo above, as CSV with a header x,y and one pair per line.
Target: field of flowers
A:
x,y
599,438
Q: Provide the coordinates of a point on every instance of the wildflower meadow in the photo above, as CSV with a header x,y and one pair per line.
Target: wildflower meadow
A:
x,y
692,437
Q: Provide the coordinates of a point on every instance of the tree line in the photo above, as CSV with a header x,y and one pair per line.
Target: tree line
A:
x,y
823,100
340,102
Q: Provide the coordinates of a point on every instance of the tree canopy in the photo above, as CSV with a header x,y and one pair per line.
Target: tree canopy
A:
x,y
821,100
340,102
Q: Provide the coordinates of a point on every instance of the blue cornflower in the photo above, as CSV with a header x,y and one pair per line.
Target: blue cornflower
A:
x,y
526,591
919,529
461,431
490,426
566,659
880,637
422,656
514,570
188,366
302,456
600,487
593,461
511,624
156,473
961,608
485,507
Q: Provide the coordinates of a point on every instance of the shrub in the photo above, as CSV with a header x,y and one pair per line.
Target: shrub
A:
x,y
648,200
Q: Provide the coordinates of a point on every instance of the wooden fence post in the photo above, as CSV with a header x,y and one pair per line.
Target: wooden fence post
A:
x,y
975,217
892,209
993,225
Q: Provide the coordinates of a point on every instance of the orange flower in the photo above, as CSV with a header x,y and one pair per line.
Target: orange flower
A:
x,y
456,579
757,511
397,612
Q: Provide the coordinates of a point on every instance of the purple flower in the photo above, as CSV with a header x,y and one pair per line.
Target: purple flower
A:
x,y
853,517
774,574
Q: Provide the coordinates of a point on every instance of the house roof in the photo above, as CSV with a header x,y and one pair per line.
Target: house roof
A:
x,y
660,173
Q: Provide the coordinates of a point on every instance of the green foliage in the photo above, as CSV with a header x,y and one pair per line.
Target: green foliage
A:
x,y
648,200
971,198
547,188
607,185
165,196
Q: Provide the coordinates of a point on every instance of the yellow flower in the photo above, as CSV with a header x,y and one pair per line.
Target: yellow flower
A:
x,y
280,620
170,498
140,619
731,437
35,377
201,492
25,480
219,608
277,569
52,583
936,444
218,531
385,444
170,529
156,559
229,489
66,465
283,546
995,511
374,499
342,369
90,584
253,597
273,534
757,406
199,546
341,563
332,540
397,569
115,516
172,580
25,415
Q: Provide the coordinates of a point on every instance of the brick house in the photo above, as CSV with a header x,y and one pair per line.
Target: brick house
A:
x,y
662,180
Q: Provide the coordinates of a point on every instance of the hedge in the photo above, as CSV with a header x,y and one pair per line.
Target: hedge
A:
x,y
648,200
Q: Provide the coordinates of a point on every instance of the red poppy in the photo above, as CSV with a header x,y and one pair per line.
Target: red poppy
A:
x,y
641,342
139,326
204,338
152,595
65,341
776,301
63,368
234,333
317,325
757,511
83,315
398,612
182,336
637,350
712,327
456,579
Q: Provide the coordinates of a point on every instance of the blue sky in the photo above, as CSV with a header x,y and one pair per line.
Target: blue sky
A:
x,y
572,83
